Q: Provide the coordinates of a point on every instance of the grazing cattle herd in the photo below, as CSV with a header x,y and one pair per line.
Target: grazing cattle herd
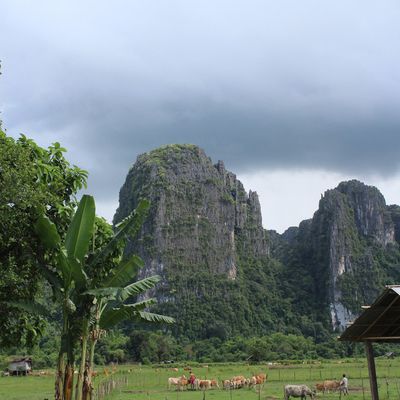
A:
x,y
237,382
240,381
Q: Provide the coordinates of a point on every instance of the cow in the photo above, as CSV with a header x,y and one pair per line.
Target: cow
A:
x,y
253,381
183,382
178,382
331,385
301,391
320,386
226,384
238,382
204,384
261,378
214,383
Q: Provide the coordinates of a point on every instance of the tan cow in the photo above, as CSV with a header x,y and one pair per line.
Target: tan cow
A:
x,y
204,384
226,384
214,383
178,382
331,385
261,378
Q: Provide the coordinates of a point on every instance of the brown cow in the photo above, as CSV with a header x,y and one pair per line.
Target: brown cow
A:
x,y
331,385
226,384
214,383
261,378
319,386
204,384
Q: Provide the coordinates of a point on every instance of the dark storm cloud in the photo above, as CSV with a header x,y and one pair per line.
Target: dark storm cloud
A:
x,y
258,84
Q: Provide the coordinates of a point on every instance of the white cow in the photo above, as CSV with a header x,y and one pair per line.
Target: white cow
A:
x,y
301,391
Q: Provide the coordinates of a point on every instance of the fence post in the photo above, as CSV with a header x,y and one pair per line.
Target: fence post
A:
x,y
363,390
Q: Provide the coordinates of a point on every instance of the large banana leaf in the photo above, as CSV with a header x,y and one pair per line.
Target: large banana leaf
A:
x,y
47,232
54,280
112,316
123,293
129,226
81,229
151,317
63,266
124,273
138,287
110,293
77,273
31,307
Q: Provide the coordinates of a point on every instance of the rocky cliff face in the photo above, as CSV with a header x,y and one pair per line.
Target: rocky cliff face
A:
x,y
202,221
198,209
223,274
350,247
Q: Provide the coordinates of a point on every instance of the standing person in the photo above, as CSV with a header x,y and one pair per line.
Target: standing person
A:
x,y
344,383
192,378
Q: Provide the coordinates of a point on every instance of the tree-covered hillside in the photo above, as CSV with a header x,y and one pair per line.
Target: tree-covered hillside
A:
x,y
223,274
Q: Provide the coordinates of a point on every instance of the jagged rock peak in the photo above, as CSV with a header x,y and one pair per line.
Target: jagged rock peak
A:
x,y
368,206
198,211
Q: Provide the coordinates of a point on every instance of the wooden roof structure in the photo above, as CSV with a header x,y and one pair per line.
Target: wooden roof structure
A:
x,y
379,322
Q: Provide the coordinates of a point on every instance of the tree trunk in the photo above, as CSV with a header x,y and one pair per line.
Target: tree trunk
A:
x,y
59,377
91,367
78,387
68,380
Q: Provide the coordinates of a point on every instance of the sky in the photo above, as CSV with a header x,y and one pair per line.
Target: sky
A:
x,y
294,96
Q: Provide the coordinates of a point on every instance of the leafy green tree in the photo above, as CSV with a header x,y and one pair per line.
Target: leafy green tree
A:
x,y
32,179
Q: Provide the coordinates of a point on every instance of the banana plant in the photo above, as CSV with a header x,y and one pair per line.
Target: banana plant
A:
x,y
68,280
90,306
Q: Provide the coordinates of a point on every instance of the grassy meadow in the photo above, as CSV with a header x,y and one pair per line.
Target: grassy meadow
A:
x,y
150,382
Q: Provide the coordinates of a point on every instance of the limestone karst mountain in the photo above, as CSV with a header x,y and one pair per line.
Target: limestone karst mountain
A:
x,y
349,248
223,274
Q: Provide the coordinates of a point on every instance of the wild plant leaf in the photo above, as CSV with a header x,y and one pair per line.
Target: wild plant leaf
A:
x,y
151,317
129,226
109,292
112,316
124,273
53,279
81,229
77,273
65,269
31,307
47,232
138,287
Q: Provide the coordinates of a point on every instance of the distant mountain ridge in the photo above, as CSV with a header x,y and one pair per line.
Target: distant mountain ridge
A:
x,y
223,274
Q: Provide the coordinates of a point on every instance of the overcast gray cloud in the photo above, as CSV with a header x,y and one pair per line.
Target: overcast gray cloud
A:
x,y
260,84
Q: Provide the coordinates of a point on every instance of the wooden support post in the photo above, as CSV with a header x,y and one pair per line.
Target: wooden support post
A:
x,y
372,371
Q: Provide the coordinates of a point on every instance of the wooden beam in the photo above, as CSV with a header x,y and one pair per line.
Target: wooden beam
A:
x,y
372,371
376,338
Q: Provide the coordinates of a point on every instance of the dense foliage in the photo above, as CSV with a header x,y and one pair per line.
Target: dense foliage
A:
x,y
32,180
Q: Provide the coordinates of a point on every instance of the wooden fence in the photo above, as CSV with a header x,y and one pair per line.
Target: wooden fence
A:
x,y
107,386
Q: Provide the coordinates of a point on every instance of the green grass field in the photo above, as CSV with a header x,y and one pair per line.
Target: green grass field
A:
x,y
150,383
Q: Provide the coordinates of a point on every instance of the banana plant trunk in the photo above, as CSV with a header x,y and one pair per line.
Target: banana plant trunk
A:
x,y
79,382
94,337
59,377
91,365
68,380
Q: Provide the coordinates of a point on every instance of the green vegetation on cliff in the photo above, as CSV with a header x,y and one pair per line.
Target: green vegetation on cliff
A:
x,y
222,275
